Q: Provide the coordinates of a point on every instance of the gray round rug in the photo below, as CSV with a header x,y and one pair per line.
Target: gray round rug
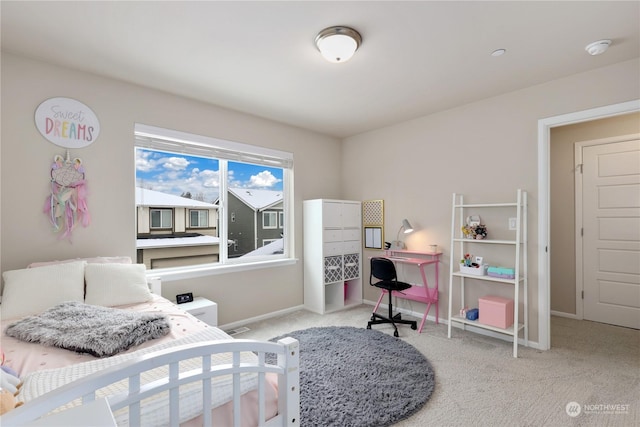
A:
x,y
359,377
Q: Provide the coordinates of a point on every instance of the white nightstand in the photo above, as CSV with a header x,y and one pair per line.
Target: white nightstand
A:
x,y
203,309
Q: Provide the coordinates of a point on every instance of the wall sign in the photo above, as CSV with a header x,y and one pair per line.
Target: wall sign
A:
x,y
67,122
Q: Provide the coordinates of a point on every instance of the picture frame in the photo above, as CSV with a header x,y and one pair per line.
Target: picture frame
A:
x,y
373,238
473,220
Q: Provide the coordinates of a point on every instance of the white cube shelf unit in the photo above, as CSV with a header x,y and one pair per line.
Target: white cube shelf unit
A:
x,y
332,254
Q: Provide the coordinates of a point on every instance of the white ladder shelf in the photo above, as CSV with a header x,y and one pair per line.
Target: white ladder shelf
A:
x,y
460,247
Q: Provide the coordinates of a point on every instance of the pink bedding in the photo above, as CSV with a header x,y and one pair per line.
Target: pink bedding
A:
x,y
24,357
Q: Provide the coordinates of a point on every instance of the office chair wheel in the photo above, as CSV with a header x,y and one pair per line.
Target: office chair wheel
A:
x,y
368,326
396,334
414,327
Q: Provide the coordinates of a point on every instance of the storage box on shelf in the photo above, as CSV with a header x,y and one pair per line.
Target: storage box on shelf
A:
x,y
332,254
502,272
515,278
495,311
473,271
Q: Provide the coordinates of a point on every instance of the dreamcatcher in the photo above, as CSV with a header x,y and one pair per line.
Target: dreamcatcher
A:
x,y
66,206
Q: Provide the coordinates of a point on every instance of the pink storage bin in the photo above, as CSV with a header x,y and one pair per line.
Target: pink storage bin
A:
x,y
495,311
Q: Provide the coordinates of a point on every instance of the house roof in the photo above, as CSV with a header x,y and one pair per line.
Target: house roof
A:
x,y
257,199
416,58
275,247
153,198
177,242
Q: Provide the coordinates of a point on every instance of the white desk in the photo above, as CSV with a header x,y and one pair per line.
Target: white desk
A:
x,y
418,292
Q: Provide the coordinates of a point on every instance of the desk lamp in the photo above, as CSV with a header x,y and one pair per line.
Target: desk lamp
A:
x,y
399,244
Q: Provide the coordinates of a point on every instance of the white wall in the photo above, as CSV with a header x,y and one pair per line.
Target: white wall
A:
x,y
485,150
109,162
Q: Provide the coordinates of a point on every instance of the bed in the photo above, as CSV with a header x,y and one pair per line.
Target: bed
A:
x,y
187,374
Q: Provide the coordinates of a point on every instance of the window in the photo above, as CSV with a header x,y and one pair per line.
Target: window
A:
x,y
269,219
199,218
161,218
224,199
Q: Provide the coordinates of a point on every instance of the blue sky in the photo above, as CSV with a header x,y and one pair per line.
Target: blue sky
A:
x,y
178,173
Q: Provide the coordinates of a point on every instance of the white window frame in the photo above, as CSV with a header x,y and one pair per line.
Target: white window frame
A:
x,y
201,213
156,138
162,217
273,221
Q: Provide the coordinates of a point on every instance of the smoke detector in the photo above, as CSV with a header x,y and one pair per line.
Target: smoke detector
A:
x,y
596,48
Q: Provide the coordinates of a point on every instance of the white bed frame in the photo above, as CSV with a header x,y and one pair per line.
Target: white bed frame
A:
x,y
286,368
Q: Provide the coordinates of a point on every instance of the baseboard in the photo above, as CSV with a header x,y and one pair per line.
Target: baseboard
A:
x,y
480,331
403,310
563,314
234,325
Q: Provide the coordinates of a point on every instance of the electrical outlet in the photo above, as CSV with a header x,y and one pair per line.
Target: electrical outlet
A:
x,y
512,223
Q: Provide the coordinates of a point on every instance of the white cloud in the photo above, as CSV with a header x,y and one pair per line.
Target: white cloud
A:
x,y
144,161
210,179
263,179
176,163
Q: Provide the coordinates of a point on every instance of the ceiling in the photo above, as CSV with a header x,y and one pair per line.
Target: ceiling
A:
x,y
417,57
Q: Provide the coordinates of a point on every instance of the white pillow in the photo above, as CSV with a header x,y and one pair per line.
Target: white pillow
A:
x,y
97,260
33,290
116,284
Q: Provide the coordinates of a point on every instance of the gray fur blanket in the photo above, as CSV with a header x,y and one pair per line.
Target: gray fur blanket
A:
x,y
100,331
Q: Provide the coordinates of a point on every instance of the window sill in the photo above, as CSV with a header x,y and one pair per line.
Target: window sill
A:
x,y
181,273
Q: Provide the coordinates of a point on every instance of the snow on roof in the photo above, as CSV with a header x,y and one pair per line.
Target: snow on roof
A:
x,y
177,241
275,247
257,199
146,197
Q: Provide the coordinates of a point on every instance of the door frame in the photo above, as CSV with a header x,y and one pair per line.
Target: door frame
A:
x,y
544,192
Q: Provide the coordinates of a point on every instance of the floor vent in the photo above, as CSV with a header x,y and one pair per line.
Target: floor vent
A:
x,y
240,330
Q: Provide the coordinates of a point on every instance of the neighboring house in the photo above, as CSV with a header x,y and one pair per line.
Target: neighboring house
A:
x,y
174,231
255,219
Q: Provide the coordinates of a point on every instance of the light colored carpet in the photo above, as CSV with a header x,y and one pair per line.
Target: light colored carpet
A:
x,y
478,382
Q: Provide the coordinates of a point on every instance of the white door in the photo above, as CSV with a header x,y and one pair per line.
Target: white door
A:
x,y
610,231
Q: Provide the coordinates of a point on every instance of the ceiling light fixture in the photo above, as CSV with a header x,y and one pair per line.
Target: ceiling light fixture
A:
x,y
498,52
596,48
338,44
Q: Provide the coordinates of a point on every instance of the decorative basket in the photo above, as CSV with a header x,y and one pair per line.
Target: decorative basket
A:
x,y
473,271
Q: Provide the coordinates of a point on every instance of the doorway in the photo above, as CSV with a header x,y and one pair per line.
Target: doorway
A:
x,y
544,236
